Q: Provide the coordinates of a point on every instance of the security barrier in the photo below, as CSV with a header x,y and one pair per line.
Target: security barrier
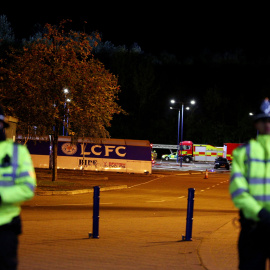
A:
x,y
190,207
95,231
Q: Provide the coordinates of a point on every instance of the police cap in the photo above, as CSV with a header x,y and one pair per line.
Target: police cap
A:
x,y
264,110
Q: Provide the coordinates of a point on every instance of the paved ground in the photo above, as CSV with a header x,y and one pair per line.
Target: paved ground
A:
x,y
56,232
58,245
174,166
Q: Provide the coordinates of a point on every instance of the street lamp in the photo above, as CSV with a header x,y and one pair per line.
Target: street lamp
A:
x,y
192,102
66,91
178,129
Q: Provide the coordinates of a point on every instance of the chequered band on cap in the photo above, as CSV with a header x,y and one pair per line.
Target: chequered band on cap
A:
x,y
265,110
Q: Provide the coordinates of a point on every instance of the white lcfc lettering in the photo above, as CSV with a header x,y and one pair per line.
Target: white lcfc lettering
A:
x,y
108,149
97,150
93,149
83,149
118,153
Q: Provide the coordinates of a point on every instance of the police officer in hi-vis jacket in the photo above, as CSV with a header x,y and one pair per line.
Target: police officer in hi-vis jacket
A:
x,y
250,192
17,184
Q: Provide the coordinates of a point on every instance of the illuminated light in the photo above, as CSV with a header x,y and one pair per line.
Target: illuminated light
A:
x,y
187,108
172,101
65,90
250,113
192,102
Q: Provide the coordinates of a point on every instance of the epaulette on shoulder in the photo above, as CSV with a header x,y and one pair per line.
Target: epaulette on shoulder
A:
x,y
16,143
12,142
242,147
245,144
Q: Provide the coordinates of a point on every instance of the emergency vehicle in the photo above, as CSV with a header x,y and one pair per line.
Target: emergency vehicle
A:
x,y
200,152
228,149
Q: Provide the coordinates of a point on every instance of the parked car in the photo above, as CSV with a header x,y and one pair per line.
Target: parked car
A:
x,y
221,162
172,156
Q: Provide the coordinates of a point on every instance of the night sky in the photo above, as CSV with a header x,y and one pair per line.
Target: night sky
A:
x,y
184,30
167,26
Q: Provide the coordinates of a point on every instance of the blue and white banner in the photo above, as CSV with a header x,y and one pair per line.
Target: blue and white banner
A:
x,y
95,156
105,151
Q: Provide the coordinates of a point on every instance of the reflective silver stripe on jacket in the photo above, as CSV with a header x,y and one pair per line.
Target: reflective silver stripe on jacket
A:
x,y
15,165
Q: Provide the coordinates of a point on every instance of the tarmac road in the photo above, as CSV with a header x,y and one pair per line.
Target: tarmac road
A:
x,y
141,227
172,165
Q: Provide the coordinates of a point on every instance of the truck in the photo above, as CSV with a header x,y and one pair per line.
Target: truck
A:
x,y
228,150
199,152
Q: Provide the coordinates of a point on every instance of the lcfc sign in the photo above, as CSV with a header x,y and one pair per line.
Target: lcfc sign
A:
x,y
94,150
104,150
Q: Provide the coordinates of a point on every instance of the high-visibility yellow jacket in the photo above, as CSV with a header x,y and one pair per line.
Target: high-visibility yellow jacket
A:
x,y
17,179
250,177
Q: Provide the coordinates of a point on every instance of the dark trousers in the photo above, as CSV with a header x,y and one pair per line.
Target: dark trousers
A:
x,y
253,245
9,244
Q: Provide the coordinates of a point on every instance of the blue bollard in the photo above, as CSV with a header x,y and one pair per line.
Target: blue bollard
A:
x,y
95,233
190,207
